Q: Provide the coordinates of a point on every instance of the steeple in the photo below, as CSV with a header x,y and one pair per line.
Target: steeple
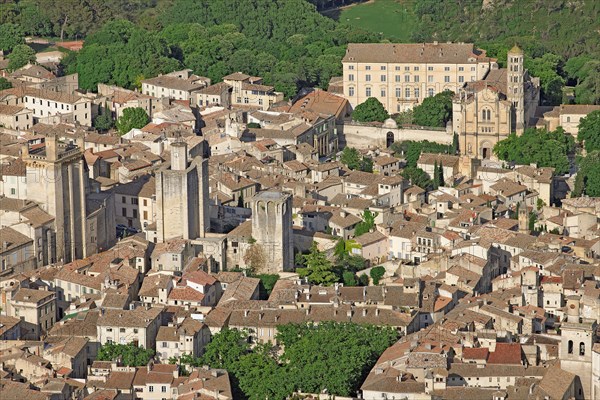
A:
x,y
515,88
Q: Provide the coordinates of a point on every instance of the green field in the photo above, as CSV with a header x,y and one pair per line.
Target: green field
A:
x,y
394,19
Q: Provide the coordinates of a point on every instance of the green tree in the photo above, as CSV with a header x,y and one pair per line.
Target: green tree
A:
x,y
349,278
129,354
268,281
589,169
225,349
376,274
417,177
332,356
132,118
366,164
319,269
351,158
589,131
436,175
532,221
588,90
103,122
20,56
539,146
369,111
4,84
546,68
435,111
363,280
579,185
261,377
367,223
540,204
441,180
11,36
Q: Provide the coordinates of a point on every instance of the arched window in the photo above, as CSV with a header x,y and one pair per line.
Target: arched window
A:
x,y
570,347
489,115
582,349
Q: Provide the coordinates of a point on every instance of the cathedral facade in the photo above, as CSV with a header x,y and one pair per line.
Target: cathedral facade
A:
x,y
486,111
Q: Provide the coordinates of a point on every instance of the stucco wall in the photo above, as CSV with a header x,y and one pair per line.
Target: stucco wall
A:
x,y
362,136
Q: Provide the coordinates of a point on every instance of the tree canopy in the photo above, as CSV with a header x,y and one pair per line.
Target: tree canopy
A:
x,y
411,150
297,46
130,354
5,84
103,122
132,118
11,35
332,356
435,111
355,161
20,56
589,131
369,111
417,177
588,176
367,223
318,268
539,146
377,273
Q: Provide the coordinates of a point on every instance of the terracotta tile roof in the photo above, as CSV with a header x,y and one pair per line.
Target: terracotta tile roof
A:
x,y
321,101
185,294
431,53
475,353
506,353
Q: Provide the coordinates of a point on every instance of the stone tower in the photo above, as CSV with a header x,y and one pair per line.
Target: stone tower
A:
x,y
57,181
516,88
523,218
182,196
577,338
272,229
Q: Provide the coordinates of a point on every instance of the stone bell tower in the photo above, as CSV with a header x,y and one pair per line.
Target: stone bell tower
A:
x,y
516,88
578,335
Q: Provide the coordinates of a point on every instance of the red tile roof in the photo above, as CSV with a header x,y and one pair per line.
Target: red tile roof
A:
x,y
506,353
475,353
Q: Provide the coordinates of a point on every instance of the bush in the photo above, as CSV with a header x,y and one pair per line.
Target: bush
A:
x,y
376,274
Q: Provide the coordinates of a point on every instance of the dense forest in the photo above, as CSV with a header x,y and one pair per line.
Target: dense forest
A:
x,y
286,41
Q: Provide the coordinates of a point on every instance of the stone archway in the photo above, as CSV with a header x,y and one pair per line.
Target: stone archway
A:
x,y
389,139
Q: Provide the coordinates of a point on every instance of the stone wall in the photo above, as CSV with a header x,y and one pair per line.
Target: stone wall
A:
x,y
363,136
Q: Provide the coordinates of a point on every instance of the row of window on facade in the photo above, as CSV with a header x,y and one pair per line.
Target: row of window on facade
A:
x,y
62,105
416,78
398,92
408,68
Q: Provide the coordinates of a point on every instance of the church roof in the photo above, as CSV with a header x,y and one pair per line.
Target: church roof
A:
x,y
515,50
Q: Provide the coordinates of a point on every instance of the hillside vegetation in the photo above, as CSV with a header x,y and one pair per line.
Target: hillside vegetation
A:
x,y
561,38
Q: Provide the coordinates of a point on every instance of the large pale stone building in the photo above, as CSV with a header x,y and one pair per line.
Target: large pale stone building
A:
x,y
272,229
56,180
238,89
182,196
401,75
488,110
